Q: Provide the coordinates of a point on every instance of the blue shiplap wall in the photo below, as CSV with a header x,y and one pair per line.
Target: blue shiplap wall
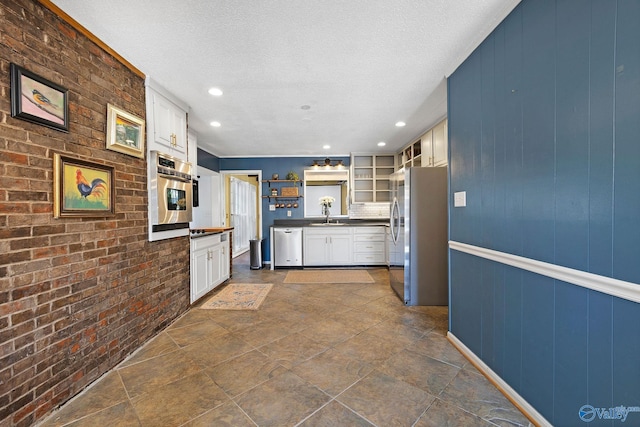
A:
x,y
544,131
269,166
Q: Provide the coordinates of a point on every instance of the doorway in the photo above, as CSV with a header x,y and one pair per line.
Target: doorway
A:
x,y
243,207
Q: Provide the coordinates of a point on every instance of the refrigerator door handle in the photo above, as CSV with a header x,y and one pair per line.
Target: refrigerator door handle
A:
x,y
395,220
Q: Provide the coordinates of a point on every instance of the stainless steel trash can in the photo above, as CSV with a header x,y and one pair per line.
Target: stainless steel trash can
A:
x,y
255,254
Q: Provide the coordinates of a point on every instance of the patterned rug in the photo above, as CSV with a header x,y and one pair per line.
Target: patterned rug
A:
x,y
239,296
328,276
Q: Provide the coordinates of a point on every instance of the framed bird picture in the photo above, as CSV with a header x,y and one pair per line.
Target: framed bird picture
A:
x,y
125,132
82,189
38,100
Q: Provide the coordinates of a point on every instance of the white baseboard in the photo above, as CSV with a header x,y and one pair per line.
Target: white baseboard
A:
x,y
529,411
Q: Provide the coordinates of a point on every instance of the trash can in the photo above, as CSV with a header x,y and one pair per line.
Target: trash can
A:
x,y
255,254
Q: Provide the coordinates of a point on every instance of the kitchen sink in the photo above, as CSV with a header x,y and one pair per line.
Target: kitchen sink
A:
x,y
327,224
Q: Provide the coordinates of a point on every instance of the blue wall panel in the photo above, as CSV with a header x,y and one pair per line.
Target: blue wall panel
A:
x,y
544,121
463,221
601,91
538,340
572,142
571,360
627,143
538,126
512,229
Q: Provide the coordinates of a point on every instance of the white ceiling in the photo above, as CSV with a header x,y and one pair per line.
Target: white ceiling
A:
x,y
361,65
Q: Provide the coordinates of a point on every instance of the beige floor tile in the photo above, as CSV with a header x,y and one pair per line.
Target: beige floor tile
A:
x,y
120,415
226,415
292,349
386,401
421,371
106,393
161,344
206,329
475,394
443,414
178,402
332,371
438,347
335,414
244,372
146,376
284,400
211,352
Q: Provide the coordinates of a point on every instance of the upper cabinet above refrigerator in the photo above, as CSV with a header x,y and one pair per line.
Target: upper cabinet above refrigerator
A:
x,y
429,150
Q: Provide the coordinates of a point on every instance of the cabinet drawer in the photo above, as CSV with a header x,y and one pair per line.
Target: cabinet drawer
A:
x,y
378,229
373,258
328,230
204,242
369,247
369,237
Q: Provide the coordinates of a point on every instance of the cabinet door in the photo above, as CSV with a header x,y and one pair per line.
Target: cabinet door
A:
x,y
216,265
169,127
440,144
427,148
224,260
200,273
315,249
340,250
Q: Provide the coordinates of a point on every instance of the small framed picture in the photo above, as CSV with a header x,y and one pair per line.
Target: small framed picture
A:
x,y
125,132
82,189
38,100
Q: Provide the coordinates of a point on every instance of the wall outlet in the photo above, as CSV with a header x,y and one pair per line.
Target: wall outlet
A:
x,y
288,213
272,207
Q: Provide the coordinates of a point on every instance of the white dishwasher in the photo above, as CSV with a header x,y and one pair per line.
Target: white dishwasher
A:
x,y
287,243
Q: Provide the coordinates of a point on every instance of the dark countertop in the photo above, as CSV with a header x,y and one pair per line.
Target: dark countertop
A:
x,y
307,222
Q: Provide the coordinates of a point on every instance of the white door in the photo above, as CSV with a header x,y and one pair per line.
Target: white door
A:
x,y
240,215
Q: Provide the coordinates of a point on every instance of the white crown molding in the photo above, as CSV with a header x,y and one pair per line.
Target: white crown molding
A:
x,y
618,288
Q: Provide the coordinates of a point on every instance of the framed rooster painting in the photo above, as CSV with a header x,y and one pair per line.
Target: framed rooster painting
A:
x,y
38,100
81,188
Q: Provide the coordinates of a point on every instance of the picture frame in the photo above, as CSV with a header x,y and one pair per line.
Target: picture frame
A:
x,y
125,132
38,100
82,189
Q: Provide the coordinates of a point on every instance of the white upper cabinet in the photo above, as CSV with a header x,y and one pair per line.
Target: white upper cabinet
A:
x,y
430,150
167,129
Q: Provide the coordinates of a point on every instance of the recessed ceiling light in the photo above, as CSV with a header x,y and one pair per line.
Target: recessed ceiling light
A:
x,y
400,124
381,144
215,91
215,124
326,147
306,107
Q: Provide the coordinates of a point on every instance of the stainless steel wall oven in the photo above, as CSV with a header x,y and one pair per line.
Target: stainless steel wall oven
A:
x,y
170,205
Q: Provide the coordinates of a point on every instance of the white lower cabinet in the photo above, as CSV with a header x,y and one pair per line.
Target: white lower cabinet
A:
x,y
370,245
344,245
209,263
327,246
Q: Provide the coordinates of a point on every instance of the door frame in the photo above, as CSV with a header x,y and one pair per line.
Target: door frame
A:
x,y
224,191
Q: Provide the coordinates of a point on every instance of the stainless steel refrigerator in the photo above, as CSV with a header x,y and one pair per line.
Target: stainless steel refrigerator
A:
x,y
418,245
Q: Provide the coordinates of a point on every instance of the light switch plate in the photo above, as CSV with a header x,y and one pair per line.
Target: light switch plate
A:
x,y
272,207
460,199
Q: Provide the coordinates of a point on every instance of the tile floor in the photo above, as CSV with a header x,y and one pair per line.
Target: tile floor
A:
x,y
312,355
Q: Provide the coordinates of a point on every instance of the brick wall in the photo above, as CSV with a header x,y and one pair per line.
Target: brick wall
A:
x,y
77,295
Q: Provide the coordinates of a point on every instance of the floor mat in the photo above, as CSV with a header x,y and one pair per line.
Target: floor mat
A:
x,y
239,296
328,276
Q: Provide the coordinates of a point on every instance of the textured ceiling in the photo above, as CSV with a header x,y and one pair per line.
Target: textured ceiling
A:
x,y
361,65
